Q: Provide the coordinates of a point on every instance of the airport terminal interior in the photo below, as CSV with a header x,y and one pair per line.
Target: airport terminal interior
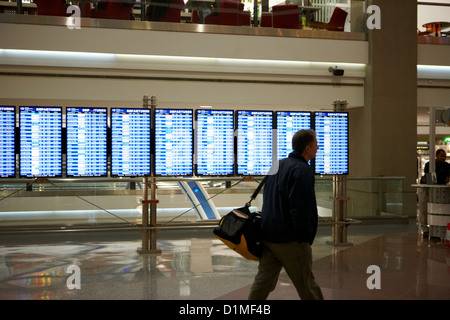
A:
x,y
129,128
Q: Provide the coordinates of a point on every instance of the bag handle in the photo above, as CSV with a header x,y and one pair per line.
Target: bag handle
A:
x,y
255,194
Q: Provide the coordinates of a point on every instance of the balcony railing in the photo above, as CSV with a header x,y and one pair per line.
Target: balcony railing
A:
x,y
115,200
194,16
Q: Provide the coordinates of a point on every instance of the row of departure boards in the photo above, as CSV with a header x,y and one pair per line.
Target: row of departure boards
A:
x,y
186,141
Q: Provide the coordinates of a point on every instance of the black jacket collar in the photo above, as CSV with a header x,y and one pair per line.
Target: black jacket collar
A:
x,y
297,155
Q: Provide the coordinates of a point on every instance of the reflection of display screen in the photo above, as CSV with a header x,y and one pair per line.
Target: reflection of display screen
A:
x,y
40,141
130,138
254,142
332,136
215,151
173,142
288,123
86,142
7,150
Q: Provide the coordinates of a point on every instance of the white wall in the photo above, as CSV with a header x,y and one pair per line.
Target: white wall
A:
x,y
238,71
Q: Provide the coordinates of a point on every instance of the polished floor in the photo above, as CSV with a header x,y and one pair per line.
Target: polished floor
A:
x,y
193,265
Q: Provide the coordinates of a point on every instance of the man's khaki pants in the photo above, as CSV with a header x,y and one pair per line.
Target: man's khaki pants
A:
x,y
296,258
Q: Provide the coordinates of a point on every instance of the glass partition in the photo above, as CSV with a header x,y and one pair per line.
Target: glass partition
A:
x,y
304,15
432,15
380,197
116,200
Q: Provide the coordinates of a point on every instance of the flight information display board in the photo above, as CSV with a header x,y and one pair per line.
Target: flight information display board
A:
x,y
332,136
288,123
215,147
7,144
86,142
254,142
40,141
130,142
174,142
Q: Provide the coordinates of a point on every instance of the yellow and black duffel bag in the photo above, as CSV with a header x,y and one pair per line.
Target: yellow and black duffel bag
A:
x,y
239,230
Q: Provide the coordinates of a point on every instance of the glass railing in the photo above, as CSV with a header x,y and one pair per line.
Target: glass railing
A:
x,y
115,200
433,24
369,197
302,16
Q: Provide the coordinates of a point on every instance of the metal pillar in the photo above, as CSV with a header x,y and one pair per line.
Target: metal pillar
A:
x,y
19,9
431,176
149,240
255,13
143,8
339,220
339,210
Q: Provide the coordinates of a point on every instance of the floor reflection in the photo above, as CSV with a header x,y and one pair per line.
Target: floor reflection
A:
x,y
117,271
408,269
203,268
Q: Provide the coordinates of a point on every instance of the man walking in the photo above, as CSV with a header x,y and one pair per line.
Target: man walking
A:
x,y
289,222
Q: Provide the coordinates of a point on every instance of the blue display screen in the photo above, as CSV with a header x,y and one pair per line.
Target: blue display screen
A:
x,y
254,142
173,142
288,123
215,146
40,141
130,142
86,142
7,145
332,136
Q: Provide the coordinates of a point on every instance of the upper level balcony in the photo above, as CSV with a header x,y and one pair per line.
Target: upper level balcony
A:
x,y
326,19
128,43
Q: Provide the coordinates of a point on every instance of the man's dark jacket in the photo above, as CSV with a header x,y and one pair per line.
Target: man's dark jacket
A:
x,y
289,210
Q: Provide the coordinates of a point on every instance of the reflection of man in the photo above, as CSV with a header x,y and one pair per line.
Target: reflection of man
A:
x,y
289,222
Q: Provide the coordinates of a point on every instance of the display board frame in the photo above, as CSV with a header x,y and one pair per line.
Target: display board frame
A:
x,y
196,145
156,133
14,142
58,110
106,147
134,110
238,171
321,148
276,114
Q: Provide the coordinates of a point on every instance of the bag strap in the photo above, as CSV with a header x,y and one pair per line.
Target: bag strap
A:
x,y
255,193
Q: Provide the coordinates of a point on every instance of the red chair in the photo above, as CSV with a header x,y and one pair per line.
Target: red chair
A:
x,y
51,7
286,16
87,8
245,18
194,18
113,10
165,10
266,19
173,14
229,14
337,21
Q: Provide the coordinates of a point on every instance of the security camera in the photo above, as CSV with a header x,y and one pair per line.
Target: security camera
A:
x,y
336,72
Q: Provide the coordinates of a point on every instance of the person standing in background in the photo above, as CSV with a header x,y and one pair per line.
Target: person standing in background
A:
x,y
442,177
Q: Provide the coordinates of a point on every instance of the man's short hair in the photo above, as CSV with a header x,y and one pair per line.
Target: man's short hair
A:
x,y
301,139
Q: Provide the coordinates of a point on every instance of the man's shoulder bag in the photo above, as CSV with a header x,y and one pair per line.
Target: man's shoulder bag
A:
x,y
239,229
